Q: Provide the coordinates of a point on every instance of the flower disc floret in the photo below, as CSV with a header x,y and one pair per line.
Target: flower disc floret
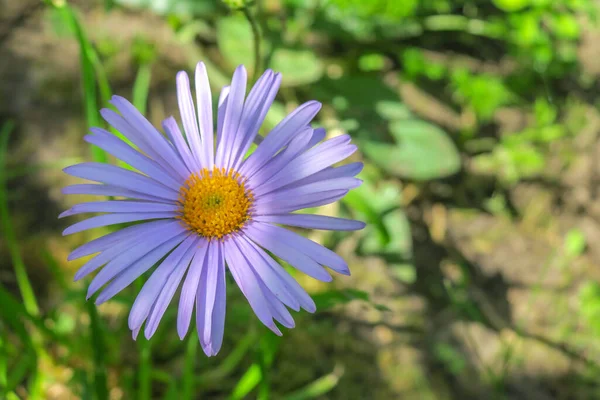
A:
x,y
215,203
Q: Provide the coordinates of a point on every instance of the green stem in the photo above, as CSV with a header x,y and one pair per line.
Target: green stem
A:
x,y
145,372
190,364
23,282
256,35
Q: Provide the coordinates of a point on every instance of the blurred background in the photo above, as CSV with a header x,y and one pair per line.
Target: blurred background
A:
x,y
477,121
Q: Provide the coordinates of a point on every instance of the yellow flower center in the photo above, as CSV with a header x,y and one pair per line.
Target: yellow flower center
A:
x,y
215,203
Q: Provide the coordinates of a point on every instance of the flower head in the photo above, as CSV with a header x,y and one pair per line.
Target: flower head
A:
x,y
201,206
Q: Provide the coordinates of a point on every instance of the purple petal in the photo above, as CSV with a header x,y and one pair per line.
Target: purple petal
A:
x,y
205,115
119,206
133,254
153,286
126,275
113,175
170,126
248,284
233,115
257,105
320,254
317,136
308,201
189,290
278,310
135,137
104,242
281,159
178,269
213,257
214,301
292,286
266,274
218,317
312,161
121,150
298,193
110,190
155,140
188,117
221,112
310,221
280,136
112,219
283,250
344,171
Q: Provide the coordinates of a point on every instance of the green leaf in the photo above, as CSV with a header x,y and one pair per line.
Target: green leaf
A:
x,y
422,151
511,5
574,243
179,7
319,387
330,298
234,37
298,67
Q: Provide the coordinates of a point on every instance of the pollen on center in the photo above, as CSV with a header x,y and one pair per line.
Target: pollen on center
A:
x,y
215,203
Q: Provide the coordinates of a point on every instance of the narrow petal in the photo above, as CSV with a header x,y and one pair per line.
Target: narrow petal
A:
x,y
113,175
134,271
104,242
170,126
283,250
278,310
170,286
265,274
218,317
280,136
205,114
281,159
310,221
137,138
119,206
133,254
111,190
298,193
223,96
188,117
153,286
293,287
316,199
112,219
232,118
213,257
257,105
319,253
190,288
248,284
312,161
153,137
121,150
344,171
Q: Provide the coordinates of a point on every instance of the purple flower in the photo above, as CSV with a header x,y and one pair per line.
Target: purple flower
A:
x,y
198,211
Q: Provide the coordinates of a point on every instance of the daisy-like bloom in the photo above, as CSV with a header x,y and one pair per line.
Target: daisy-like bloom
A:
x,y
198,210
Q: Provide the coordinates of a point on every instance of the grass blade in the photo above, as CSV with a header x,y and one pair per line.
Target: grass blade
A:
x,y
319,387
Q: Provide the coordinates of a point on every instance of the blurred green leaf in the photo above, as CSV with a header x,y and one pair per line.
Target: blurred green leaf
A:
x,y
319,387
247,382
589,305
298,67
234,36
179,7
331,298
422,151
574,243
511,5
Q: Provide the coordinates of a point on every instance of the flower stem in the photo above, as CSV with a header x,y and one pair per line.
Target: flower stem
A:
x,y
257,38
